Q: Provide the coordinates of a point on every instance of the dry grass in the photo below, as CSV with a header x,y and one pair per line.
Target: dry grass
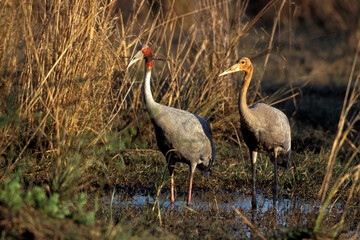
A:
x,y
63,70
69,108
349,117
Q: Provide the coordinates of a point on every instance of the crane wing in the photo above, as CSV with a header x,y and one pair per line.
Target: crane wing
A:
x,y
186,133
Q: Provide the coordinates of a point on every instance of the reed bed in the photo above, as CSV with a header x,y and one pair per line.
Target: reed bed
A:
x,y
72,118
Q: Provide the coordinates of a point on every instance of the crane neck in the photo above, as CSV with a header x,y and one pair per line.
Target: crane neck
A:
x,y
245,113
149,101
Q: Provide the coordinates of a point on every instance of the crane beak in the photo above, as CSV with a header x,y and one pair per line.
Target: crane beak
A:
x,y
138,56
234,68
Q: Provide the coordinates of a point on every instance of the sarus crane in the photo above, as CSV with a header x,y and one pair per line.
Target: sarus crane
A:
x,y
265,129
180,135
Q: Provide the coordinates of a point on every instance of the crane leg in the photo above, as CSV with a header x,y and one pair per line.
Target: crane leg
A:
x,y
191,176
171,171
253,155
172,188
275,187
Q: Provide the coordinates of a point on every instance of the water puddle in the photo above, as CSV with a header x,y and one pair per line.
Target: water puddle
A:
x,y
220,205
236,200
221,201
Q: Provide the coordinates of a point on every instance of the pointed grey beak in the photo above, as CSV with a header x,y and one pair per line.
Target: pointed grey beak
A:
x,y
138,56
234,68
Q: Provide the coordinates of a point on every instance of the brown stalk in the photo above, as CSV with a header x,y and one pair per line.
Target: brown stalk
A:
x,y
247,222
248,27
275,24
344,128
341,135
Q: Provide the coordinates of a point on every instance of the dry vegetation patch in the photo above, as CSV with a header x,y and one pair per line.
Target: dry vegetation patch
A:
x,y
72,119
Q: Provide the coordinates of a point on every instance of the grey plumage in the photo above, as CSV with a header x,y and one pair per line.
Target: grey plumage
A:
x,y
265,129
270,130
181,136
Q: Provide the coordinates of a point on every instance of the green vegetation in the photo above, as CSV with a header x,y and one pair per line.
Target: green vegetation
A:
x,y
76,142
15,198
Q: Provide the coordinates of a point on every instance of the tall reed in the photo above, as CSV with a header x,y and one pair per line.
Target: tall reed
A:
x,y
350,115
66,90
63,70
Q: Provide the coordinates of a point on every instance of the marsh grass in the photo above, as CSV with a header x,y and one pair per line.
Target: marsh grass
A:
x,y
351,169
72,117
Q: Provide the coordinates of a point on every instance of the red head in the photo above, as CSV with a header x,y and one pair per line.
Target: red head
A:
x,y
143,51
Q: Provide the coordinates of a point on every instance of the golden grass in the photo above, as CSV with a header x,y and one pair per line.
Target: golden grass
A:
x,y
66,94
64,65
248,223
351,169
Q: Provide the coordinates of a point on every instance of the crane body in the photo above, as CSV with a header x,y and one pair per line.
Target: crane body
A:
x,y
180,135
265,129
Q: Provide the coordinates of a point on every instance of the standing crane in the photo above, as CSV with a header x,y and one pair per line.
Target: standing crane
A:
x,y
265,129
180,135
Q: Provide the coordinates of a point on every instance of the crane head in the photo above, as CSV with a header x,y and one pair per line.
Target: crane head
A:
x,y
142,51
243,64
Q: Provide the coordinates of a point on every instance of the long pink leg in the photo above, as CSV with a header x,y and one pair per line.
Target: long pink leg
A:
x,y
172,188
192,170
275,187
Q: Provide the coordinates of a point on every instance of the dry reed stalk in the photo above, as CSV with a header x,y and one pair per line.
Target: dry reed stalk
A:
x,y
276,25
345,126
73,81
249,26
355,174
55,45
247,222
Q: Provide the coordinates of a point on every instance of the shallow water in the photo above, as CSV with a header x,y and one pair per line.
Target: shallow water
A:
x,y
289,212
236,200
221,201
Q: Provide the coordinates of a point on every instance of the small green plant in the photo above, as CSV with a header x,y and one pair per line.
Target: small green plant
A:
x,y
81,215
10,192
51,206
14,196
